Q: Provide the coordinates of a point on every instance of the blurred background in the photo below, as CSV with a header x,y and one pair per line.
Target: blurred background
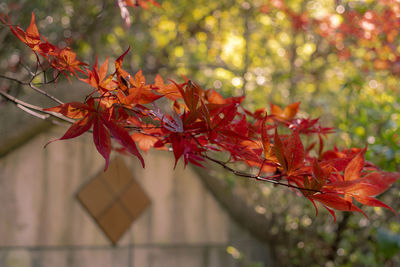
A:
x,y
340,59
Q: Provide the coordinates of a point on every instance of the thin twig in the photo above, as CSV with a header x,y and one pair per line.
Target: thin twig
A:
x,y
32,85
35,108
45,94
33,113
268,179
27,69
13,79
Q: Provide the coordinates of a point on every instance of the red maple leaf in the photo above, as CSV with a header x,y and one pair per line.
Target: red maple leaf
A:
x,y
65,60
103,124
30,37
290,153
170,90
97,78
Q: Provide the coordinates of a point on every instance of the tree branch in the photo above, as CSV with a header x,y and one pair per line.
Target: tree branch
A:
x,y
268,179
45,94
32,85
37,112
34,108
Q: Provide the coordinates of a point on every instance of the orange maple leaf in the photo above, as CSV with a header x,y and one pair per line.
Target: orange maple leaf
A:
x,y
287,114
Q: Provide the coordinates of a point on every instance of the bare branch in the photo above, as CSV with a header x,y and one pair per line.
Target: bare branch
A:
x,y
33,113
32,85
45,94
35,108
13,79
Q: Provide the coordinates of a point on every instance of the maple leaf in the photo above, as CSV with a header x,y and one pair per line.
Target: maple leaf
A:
x,y
98,79
178,146
215,98
294,152
137,91
170,90
102,141
321,174
170,123
184,146
362,186
120,59
65,60
78,128
227,132
31,37
340,159
265,139
73,110
82,112
103,124
223,116
365,188
133,90
317,180
279,151
353,169
309,126
263,166
287,114
122,136
191,94
61,59
145,141
331,200
291,154
123,77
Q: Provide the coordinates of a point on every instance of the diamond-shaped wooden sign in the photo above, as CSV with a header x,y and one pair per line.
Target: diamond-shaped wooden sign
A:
x,y
114,199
